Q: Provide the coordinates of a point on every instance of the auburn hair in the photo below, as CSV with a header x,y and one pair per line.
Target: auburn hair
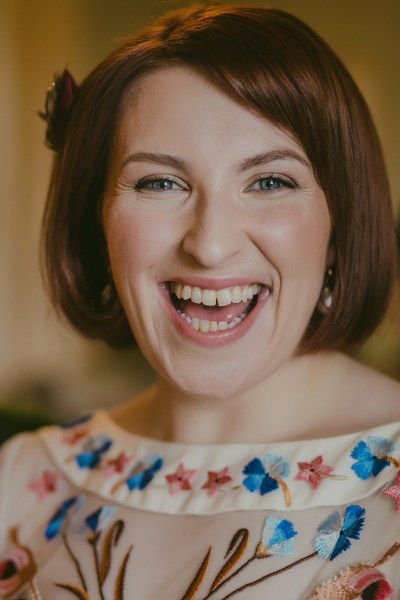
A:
x,y
272,63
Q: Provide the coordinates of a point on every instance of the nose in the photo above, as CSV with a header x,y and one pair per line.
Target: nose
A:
x,y
215,233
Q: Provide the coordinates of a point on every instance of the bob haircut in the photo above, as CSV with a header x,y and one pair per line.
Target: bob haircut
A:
x,y
269,62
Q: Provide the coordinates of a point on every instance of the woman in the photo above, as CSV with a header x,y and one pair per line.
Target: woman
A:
x,y
218,195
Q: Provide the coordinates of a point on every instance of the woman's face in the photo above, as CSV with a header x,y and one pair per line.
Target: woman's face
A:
x,y
217,234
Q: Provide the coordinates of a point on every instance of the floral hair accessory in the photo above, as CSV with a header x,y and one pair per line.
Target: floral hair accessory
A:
x,y
60,98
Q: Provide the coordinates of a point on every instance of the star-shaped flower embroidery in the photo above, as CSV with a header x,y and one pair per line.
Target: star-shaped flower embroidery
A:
x,y
45,485
394,492
313,472
216,479
180,480
117,464
277,538
76,435
373,456
336,530
266,475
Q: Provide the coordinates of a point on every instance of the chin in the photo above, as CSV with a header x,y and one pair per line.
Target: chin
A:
x,y
217,385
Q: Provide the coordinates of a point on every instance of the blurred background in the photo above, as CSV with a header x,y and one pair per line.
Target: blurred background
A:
x,y
43,364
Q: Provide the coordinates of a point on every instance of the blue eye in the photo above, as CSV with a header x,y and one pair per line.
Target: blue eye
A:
x,y
158,184
272,183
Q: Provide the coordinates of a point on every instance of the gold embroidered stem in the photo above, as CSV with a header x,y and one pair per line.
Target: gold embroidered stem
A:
x,y
388,555
392,460
120,581
269,575
35,591
77,565
111,538
93,542
79,592
14,536
117,485
337,477
198,578
236,549
288,497
231,576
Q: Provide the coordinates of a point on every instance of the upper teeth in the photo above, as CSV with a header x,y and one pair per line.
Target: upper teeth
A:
x,y
236,294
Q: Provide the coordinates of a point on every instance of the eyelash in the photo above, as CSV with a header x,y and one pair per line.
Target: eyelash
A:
x,y
142,183
283,182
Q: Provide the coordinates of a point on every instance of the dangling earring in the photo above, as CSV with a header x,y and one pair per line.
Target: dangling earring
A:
x,y
325,298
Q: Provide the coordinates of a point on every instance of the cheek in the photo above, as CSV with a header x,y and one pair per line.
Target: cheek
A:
x,y
295,240
135,242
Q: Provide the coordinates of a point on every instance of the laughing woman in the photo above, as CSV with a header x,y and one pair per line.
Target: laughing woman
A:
x,y
218,197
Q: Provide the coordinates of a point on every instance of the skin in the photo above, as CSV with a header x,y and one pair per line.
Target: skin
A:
x,y
216,221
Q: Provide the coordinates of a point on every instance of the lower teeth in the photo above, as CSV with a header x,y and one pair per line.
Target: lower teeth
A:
x,y
205,326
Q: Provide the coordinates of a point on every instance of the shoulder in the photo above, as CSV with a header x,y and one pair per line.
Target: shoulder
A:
x,y
24,464
366,394
18,452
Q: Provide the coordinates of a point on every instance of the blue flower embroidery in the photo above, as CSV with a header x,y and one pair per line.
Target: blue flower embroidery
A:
x,y
58,520
144,471
336,531
77,421
277,538
371,457
266,475
99,520
91,451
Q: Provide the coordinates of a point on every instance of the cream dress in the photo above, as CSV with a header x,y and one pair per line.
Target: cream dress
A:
x,y
90,511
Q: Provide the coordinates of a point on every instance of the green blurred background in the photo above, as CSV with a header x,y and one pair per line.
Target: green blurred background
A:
x,y
44,366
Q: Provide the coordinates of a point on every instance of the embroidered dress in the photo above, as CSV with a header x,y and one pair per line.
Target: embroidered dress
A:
x,y
90,511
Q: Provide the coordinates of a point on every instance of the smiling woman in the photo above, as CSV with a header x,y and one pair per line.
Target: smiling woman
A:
x,y
229,204
215,198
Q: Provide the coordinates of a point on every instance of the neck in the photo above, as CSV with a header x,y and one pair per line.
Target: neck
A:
x,y
284,406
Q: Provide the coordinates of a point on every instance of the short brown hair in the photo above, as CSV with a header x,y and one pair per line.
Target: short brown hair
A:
x,y
270,62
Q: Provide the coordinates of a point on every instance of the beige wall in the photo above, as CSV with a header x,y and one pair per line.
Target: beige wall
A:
x,y
41,37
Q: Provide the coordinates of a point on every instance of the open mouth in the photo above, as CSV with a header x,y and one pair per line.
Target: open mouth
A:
x,y
214,310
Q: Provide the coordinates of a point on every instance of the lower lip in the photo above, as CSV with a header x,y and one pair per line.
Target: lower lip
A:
x,y
214,338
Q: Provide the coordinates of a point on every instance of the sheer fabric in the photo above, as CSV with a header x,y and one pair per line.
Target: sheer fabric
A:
x,y
88,510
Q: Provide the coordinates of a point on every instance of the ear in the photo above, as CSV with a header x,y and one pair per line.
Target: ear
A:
x,y
331,253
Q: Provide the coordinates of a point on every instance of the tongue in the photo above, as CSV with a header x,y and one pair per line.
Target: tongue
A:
x,y
213,313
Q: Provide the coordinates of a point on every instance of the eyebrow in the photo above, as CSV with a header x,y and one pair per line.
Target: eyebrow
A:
x,y
160,159
272,155
254,161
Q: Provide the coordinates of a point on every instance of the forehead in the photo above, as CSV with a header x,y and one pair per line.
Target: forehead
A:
x,y
176,108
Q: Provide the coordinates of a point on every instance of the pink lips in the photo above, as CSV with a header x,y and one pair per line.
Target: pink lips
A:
x,y
214,338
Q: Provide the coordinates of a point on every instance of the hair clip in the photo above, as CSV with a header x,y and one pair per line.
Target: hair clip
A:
x,y
60,97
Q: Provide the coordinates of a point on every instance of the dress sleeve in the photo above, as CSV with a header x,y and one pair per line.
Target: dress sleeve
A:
x,y
18,457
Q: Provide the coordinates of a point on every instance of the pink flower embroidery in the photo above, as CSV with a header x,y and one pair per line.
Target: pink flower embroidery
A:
x,y
313,472
17,568
75,436
216,479
10,568
180,480
394,492
372,584
117,464
357,581
45,485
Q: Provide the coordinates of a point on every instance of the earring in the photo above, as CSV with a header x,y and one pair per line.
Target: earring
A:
x,y
325,298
